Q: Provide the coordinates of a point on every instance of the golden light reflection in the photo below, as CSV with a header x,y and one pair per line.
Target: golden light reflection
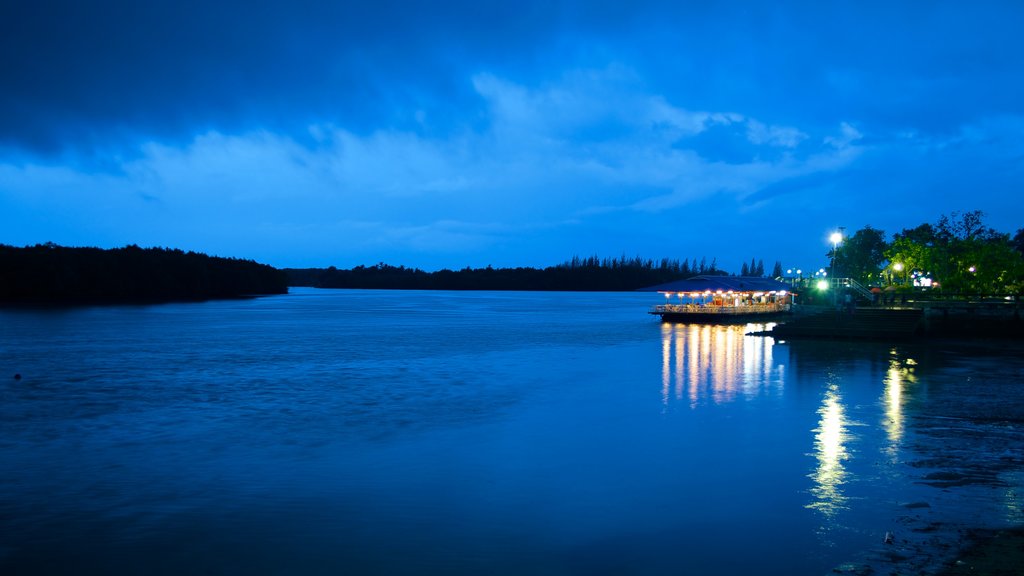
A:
x,y
666,362
899,375
830,439
716,363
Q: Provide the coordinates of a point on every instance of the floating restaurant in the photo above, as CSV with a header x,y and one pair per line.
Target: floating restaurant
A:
x,y
718,299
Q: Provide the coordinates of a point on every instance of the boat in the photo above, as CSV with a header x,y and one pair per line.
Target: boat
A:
x,y
711,299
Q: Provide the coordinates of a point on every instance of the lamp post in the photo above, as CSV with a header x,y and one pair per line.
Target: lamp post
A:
x,y
836,238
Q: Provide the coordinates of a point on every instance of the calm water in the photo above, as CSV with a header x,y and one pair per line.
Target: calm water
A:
x,y
374,432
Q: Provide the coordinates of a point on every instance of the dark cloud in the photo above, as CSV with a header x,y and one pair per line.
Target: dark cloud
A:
x,y
87,74
86,71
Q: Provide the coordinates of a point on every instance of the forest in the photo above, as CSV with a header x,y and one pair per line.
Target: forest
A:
x,y
48,273
957,254
577,274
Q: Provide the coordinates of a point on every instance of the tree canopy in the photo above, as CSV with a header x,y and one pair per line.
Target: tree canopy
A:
x,y
48,273
577,274
958,251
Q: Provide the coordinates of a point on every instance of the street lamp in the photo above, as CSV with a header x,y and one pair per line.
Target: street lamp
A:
x,y
835,238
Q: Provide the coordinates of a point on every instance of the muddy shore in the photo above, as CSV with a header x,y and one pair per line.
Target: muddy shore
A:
x,y
990,553
969,441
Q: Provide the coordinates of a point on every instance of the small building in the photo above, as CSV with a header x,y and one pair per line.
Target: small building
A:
x,y
718,299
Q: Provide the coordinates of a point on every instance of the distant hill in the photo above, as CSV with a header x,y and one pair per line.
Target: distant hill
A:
x,y
48,273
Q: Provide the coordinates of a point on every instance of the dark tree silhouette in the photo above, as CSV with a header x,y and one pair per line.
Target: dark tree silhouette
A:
x,y
577,274
50,273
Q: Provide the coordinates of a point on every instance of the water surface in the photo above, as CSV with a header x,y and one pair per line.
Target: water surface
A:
x,y
388,432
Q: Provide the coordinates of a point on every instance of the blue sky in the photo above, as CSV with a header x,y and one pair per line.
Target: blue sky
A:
x,y
452,134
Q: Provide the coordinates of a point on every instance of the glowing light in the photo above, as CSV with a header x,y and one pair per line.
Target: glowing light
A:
x,y
717,364
829,444
666,361
822,285
836,238
894,405
897,378
972,269
897,267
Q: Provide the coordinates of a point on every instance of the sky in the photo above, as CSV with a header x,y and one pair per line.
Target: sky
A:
x,y
312,133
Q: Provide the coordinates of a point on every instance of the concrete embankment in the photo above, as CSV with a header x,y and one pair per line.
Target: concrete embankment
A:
x,y
940,321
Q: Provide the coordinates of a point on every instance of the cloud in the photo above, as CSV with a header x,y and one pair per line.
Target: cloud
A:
x,y
784,136
587,158
594,140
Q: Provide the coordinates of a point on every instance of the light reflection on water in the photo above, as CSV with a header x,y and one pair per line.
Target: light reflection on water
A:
x,y
830,439
899,377
717,363
503,433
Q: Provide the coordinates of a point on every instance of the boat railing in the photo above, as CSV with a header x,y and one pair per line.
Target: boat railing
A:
x,y
719,309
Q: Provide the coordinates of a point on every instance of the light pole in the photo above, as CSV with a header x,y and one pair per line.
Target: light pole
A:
x,y
836,238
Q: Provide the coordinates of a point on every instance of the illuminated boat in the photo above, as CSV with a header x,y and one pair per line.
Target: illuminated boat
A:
x,y
722,299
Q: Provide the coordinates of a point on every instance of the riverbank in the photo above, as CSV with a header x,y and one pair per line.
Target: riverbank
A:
x,y
905,323
990,553
968,430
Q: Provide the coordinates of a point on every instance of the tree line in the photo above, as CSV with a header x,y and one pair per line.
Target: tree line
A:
x,y
958,252
576,274
48,273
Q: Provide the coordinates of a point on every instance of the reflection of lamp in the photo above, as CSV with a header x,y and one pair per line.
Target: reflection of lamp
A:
x,y
829,443
893,404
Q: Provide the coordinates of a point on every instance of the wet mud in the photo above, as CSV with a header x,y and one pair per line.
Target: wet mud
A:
x,y
968,446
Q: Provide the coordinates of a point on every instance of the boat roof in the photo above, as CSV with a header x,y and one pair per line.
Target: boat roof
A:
x,y
723,283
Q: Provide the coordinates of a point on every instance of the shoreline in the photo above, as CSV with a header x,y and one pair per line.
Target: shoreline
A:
x,y
989,552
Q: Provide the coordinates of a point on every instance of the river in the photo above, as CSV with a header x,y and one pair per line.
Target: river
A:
x,y
407,432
